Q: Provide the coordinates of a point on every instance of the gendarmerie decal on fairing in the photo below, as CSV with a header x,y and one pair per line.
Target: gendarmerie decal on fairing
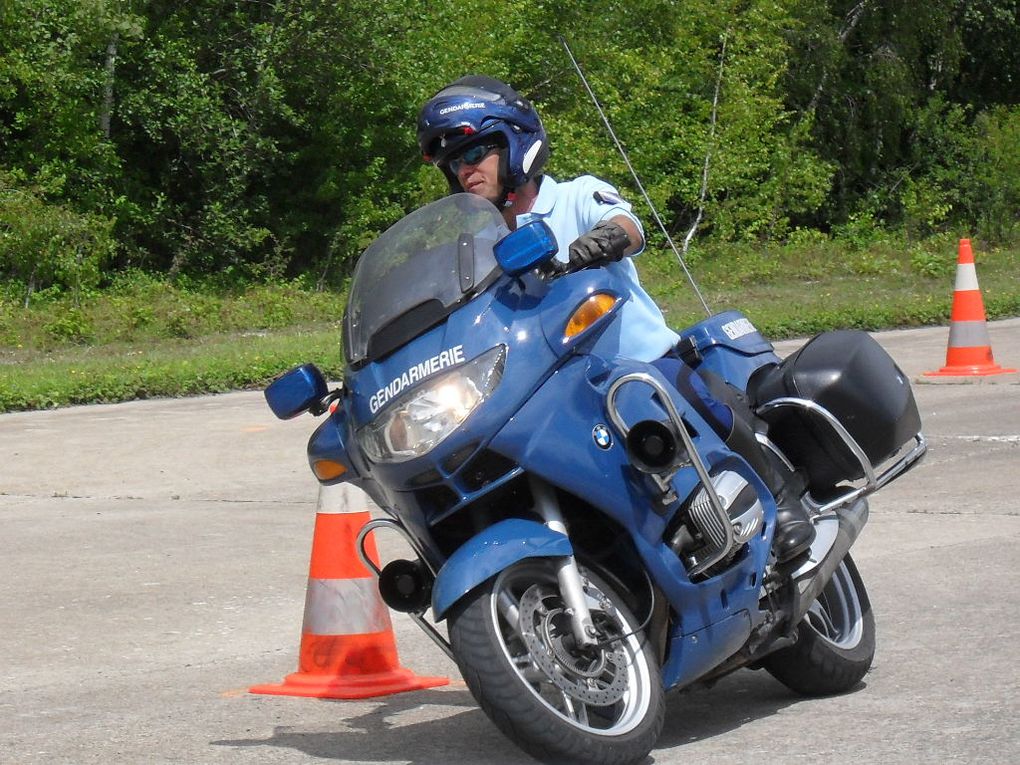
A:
x,y
738,328
417,373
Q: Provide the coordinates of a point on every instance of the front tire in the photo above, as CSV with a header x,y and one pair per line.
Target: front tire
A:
x,y
515,649
835,640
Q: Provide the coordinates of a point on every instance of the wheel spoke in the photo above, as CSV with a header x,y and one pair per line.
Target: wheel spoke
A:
x,y
509,609
820,618
575,709
528,670
836,615
534,675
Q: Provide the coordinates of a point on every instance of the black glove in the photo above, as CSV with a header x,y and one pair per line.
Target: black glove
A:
x,y
606,241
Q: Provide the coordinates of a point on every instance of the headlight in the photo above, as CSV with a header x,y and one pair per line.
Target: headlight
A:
x,y
419,420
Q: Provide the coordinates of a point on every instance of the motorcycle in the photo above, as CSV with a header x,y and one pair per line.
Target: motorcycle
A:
x,y
588,537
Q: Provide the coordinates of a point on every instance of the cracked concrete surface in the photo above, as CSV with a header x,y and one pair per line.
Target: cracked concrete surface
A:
x,y
153,564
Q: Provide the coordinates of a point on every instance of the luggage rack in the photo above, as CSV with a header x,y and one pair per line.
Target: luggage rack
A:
x,y
873,480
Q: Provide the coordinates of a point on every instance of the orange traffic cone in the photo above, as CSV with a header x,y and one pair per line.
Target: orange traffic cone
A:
x,y
970,348
348,650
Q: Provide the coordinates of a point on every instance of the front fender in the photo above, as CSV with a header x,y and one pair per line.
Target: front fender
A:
x,y
489,552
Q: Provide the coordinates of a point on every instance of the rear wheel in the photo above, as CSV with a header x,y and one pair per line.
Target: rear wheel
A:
x,y
835,642
513,641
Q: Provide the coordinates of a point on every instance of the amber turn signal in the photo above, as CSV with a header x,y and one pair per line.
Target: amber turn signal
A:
x,y
589,312
327,470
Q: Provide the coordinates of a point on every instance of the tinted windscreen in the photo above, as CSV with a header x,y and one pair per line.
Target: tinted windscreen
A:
x,y
418,271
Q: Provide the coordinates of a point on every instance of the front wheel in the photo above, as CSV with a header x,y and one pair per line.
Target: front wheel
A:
x,y
835,640
514,645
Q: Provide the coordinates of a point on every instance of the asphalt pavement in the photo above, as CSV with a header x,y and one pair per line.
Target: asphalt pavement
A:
x,y
153,563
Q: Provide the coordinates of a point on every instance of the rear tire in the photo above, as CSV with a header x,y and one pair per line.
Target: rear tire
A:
x,y
554,706
835,640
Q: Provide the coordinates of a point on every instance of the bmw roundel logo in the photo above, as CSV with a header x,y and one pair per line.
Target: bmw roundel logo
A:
x,y
602,437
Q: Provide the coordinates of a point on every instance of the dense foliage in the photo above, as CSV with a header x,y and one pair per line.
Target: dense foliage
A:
x,y
263,137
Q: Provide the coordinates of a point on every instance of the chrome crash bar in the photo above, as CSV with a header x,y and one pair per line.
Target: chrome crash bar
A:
x,y
418,618
663,481
873,480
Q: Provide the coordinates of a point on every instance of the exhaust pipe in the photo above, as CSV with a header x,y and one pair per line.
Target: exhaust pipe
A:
x,y
833,541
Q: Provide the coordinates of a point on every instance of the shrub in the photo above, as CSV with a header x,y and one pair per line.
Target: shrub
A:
x,y
871,263
934,257
44,244
997,173
8,333
860,232
70,326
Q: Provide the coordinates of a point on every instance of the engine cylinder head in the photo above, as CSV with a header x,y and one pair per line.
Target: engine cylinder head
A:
x,y
741,503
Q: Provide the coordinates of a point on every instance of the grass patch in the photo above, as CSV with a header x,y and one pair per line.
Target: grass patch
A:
x,y
140,308
145,337
800,290
213,364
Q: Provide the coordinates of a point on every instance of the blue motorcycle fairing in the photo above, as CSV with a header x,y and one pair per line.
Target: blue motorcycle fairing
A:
x,y
693,654
551,437
504,315
327,442
730,346
330,441
572,290
513,312
486,554
519,313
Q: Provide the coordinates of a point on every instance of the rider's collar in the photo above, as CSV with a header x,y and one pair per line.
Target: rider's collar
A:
x,y
546,198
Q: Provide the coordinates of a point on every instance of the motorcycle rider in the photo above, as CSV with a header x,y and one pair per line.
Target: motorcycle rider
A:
x,y
488,140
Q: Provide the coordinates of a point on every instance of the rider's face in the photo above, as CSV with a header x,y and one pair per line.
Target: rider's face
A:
x,y
482,178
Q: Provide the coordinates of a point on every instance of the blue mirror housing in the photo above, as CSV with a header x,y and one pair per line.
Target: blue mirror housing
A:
x,y
526,248
296,391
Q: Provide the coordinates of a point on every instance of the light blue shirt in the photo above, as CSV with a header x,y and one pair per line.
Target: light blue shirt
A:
x,y
570,209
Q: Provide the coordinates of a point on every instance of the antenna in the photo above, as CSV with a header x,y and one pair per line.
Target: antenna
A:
x,y
637,180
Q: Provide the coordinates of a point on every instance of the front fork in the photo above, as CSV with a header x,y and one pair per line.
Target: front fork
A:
x,y
567,573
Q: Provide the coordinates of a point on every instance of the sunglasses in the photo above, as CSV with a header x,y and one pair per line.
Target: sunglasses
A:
x,y
472,156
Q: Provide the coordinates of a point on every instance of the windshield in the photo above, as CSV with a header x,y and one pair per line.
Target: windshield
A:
x,y
420,270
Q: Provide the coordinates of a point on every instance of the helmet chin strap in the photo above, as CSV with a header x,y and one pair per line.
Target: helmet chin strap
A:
x,y
508,195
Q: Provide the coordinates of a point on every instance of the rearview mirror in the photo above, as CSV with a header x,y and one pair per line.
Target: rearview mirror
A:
x,y
296,391
526,248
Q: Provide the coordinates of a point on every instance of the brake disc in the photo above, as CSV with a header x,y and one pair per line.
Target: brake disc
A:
x,y
593,676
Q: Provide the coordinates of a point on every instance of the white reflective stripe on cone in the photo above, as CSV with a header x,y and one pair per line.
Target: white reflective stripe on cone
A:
x,y
344,607
966,277
342,498
969,334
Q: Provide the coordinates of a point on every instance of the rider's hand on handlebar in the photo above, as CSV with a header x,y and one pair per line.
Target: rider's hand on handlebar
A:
x,y
607,241
554,268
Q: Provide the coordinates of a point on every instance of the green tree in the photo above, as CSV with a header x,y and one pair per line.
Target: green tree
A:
x,y
272,137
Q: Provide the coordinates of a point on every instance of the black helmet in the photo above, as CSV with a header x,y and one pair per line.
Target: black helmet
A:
x,y
477,107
